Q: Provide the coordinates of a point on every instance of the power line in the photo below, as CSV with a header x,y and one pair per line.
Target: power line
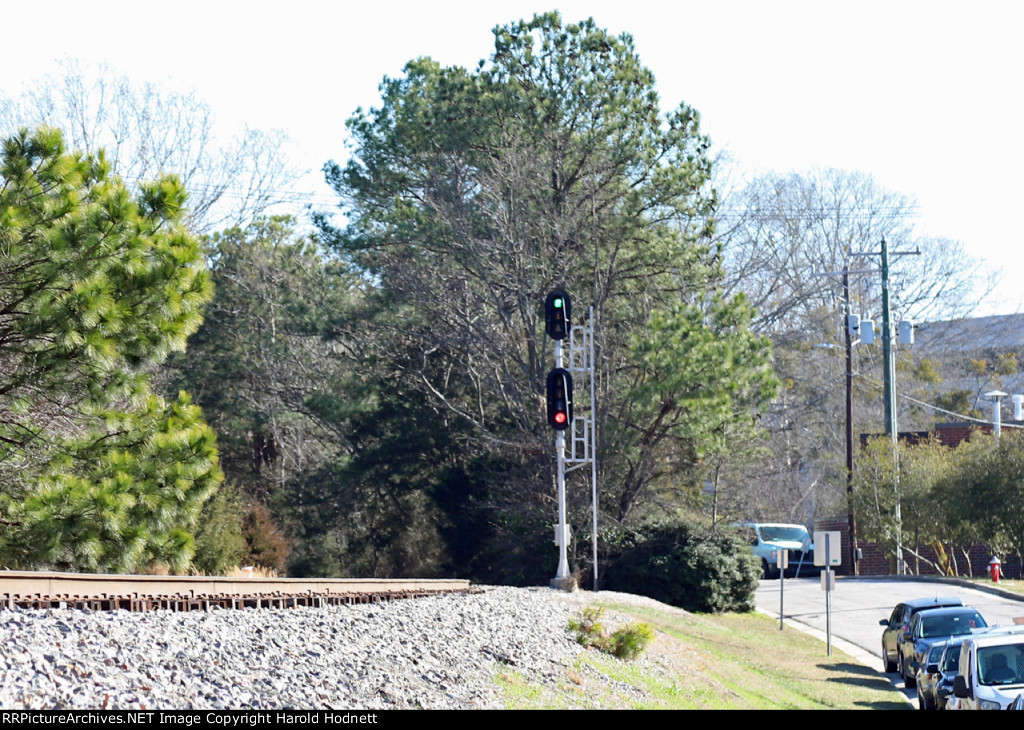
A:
x,y
961,416
823,213
940,409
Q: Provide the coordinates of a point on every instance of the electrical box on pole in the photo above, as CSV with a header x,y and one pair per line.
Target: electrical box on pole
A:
x,y
853,324
867,331
906,332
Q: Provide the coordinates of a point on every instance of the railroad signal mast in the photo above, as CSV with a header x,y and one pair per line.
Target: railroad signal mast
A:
x,y
561,417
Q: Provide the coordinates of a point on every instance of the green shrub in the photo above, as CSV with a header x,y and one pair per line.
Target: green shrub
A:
x,y
627,642
588,628
630,641
684,566
220,543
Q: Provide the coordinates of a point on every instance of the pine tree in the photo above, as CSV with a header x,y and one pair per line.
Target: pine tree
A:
x,y
96,287
472,193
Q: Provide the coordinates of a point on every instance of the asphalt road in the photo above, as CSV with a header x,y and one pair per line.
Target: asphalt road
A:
x,y
858,604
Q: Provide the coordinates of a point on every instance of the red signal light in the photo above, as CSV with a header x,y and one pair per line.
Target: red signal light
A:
x,y
559,399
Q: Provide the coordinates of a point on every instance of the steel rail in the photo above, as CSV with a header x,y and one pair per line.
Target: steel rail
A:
x,y
28,589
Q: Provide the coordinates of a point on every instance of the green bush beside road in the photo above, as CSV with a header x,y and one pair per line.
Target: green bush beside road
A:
x,y
683,565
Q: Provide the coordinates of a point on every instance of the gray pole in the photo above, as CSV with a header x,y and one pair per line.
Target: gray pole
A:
x,y
782,593
563,531
889,383
889,386
851,513
889,376
562,576
828,594
593,443
997,411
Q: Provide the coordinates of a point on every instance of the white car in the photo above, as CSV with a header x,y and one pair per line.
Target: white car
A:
x,y
991,674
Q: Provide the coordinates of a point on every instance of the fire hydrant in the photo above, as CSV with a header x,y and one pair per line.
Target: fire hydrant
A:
x,y
993,569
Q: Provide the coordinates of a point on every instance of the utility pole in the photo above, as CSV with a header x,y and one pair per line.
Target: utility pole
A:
x,y
889,376
889,386
849,327
851,512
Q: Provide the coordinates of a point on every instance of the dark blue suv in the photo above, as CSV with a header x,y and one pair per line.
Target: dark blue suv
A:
x,y
929,627
899,621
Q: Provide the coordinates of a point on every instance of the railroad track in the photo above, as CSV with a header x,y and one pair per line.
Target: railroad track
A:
x,y
27,589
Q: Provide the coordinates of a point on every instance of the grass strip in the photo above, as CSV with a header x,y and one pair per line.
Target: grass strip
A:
x,y
704,661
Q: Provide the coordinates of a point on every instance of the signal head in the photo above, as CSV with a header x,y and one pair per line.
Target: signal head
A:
x,y
557,314
559,399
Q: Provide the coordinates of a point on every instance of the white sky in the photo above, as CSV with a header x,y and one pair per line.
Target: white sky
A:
x,y
925,96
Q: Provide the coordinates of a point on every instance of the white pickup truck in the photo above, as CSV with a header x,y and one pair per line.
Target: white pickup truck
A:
x,y
766,539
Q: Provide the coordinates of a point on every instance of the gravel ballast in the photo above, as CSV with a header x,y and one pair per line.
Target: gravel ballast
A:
x,y
434,653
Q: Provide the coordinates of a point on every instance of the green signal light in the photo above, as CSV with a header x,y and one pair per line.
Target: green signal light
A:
x,y
557,313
